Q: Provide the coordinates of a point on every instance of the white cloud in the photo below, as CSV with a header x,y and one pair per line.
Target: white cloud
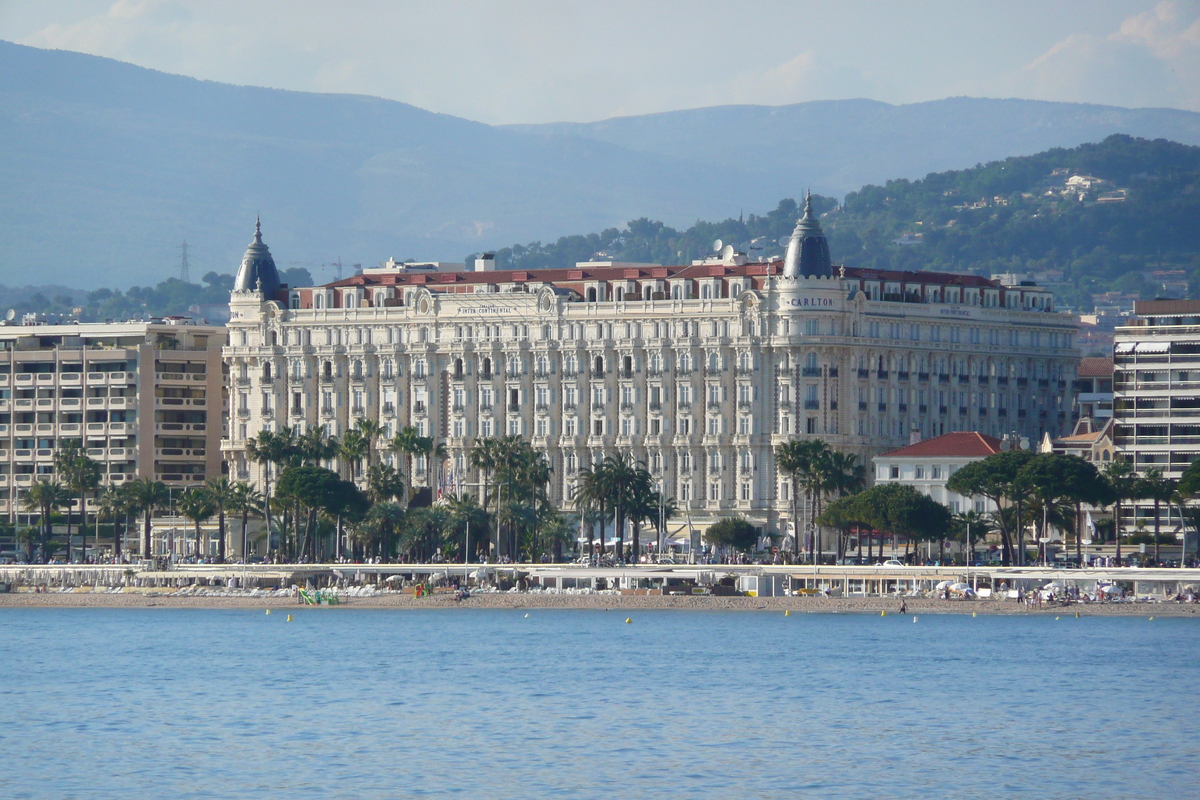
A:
x,y
1151,59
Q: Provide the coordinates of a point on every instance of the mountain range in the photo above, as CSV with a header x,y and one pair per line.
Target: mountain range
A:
x,y
106,167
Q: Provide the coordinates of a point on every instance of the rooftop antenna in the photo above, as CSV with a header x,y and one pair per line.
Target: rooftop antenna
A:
x,y
183,263
717,245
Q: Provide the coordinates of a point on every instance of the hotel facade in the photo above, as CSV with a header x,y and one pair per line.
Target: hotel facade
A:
x,y
698,371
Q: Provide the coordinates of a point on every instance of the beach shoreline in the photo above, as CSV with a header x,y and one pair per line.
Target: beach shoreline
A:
x,y
599,601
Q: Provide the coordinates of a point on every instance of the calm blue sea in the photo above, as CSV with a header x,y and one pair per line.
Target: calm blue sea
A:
x,y
345,703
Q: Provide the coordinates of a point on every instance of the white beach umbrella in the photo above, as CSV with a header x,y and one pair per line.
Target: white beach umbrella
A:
x,y
960,587
943,585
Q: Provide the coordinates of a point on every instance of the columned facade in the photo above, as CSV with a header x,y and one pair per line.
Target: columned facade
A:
x,y
698,371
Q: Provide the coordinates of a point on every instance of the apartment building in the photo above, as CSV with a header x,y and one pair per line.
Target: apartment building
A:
x,y
146,399
699,370
1156,391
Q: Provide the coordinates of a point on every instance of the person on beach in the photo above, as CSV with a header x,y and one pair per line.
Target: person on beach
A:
x,y
903,607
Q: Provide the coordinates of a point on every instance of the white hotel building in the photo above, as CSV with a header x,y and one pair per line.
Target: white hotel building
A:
x,y
699,370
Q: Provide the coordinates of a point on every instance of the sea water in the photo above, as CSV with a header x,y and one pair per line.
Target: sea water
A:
x,y
349,703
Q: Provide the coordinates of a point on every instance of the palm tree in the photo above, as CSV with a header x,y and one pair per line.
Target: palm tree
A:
x,y
80,475
370,431
46,497
113,505
842,475
197,505
352,450
223,495
271,449
406,443
384,483
592,492
145,496
1122,481
246,500
483,458
313,449
1153,486
800,459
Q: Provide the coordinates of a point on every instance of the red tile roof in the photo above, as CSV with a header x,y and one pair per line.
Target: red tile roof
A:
x,y
951,445
691,271
1095,367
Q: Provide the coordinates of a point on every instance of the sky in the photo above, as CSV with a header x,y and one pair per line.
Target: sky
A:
x,y
532,61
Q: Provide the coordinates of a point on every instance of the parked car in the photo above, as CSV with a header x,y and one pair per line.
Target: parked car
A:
x,y
892,562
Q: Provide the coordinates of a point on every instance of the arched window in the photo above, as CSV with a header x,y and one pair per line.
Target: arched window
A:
x,y
714,362
591,294
320,298
267,371
487,368
458,368
628,366
704,292
677,292
647,293
620,294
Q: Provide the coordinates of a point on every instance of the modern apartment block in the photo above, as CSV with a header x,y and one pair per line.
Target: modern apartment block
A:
x,y
146,399
1156,389
699,371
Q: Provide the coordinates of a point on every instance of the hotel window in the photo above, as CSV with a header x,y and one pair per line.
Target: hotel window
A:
x,y
920,473
569,427
895,472
485,428
746,494
744,426
458,428
541,426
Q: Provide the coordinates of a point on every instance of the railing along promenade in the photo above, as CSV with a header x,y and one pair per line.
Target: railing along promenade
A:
x,y
850,580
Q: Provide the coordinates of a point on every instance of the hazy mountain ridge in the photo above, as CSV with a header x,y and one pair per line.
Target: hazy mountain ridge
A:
x,y
106,167
838,146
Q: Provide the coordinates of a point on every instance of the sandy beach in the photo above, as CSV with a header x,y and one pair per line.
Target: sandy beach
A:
x,y
599,601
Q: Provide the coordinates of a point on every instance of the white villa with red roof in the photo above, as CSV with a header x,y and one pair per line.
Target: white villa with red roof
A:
x,y
928,464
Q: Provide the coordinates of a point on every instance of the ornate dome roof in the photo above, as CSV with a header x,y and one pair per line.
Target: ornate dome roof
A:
x,y
257,273
808,249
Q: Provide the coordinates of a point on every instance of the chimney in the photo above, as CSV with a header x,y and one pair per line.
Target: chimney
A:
x,y
485,263
914,437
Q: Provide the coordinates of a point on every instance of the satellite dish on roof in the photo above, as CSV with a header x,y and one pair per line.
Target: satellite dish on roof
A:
x,y
717,245
728,252
11,315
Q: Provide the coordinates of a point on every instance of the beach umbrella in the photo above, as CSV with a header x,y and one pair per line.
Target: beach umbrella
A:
x,y
960,587
942,586
1110,589
1053,586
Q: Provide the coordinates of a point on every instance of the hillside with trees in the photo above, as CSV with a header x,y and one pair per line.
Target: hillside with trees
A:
x,y
1106,216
